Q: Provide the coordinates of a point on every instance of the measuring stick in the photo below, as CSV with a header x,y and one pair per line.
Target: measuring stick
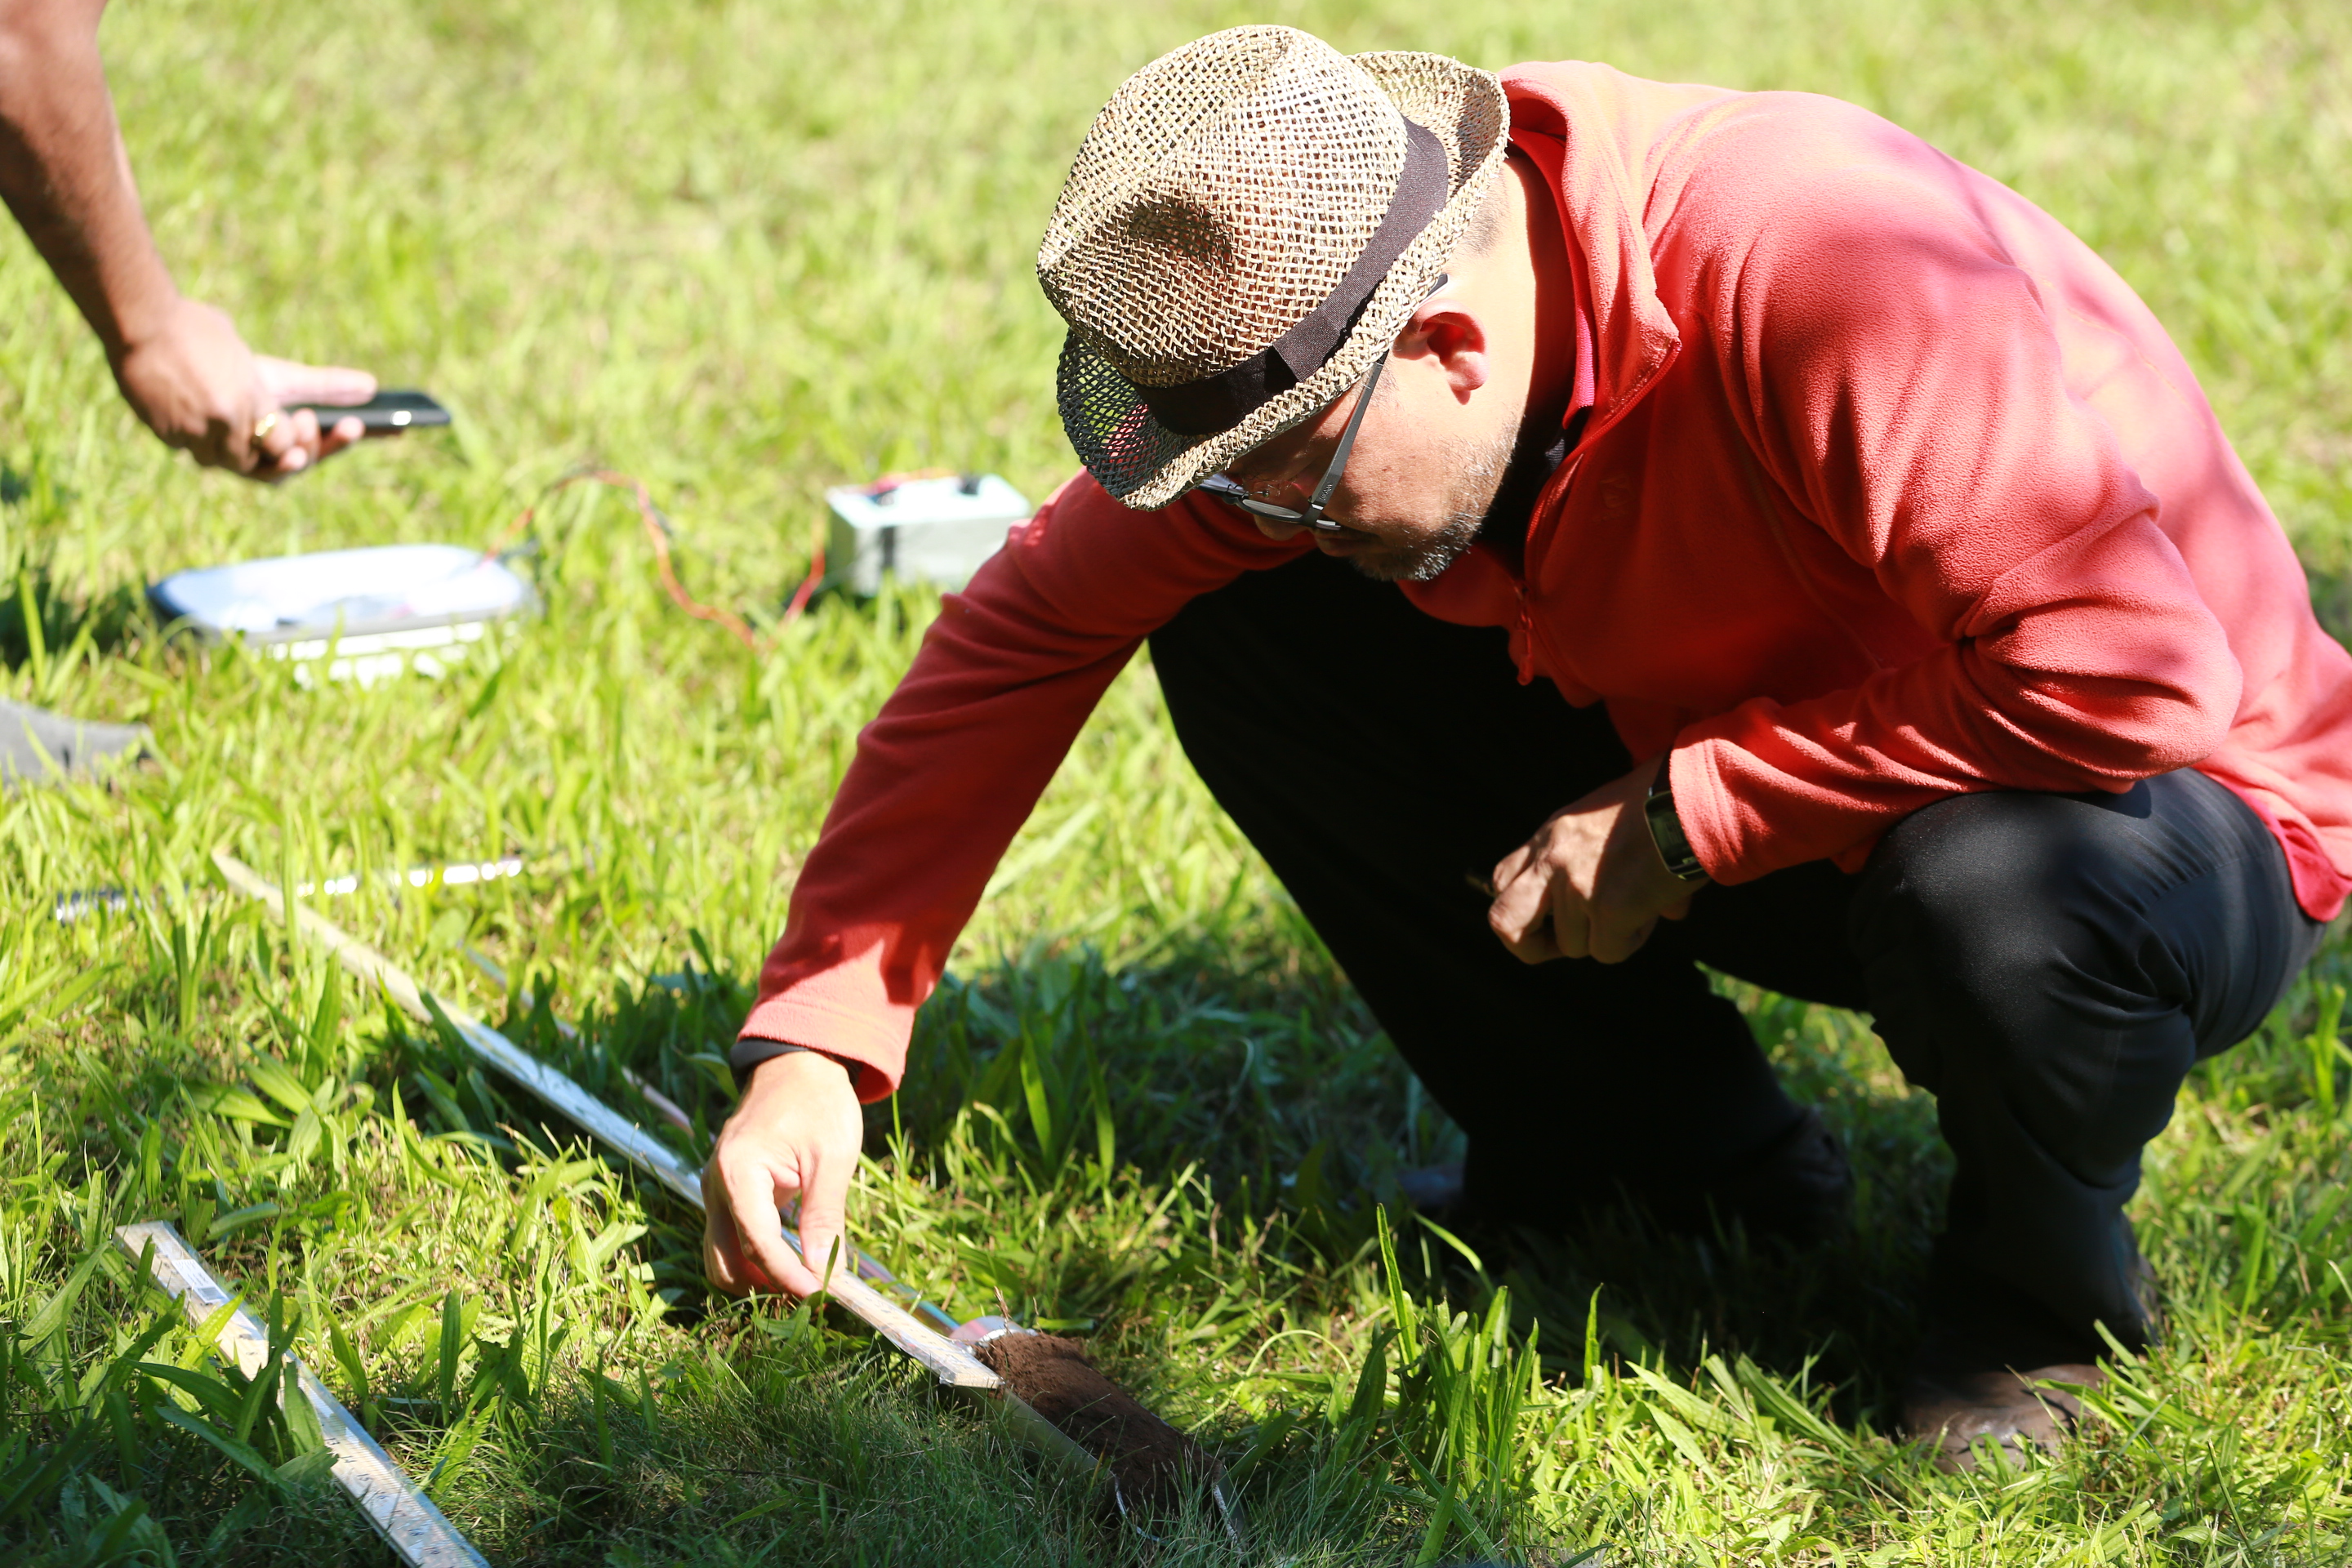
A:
x,y
420,1532
951,1364
949,1359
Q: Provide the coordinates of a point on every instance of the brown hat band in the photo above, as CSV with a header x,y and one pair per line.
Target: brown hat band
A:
x,y
1218,403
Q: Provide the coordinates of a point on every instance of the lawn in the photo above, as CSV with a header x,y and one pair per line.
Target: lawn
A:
x,y
745,251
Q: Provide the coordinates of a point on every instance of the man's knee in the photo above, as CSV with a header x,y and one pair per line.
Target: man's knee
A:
x,y
1985,882
1982,918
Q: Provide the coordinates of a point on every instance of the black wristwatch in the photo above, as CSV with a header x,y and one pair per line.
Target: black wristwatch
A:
x,y
746,1055
1666,828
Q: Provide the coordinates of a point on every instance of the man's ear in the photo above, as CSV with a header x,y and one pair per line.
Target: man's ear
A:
x,y
1450,334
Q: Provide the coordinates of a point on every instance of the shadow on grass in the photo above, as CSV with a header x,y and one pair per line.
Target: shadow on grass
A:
x,y
1260,1079
1272,1081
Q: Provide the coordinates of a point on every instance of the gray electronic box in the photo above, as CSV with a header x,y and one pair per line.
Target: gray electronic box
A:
x,y
934,530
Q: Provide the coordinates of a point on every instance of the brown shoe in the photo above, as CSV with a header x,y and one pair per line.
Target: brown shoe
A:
x,y
1956,1411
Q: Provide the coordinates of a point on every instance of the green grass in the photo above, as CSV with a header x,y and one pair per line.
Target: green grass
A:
x,y
745,251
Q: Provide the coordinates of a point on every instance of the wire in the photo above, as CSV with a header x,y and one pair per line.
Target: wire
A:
x,y
659,533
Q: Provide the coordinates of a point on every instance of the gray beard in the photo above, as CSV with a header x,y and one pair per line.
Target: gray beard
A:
x,y
1477,476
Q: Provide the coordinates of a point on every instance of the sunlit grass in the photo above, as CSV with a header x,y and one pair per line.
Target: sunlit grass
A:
x,y
745,251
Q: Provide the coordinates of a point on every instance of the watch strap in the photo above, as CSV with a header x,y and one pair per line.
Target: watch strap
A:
x,y
745,1055
1666,827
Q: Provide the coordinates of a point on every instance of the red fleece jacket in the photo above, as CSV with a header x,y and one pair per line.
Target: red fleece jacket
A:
x,y
1891,489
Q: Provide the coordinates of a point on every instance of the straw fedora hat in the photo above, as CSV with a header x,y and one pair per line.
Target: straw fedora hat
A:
x,y
1250,222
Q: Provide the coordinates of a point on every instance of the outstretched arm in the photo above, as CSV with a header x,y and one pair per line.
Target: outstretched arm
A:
x,y
942,780
180,362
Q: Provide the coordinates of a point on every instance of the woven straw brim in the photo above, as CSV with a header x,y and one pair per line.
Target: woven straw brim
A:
x,y
1145,464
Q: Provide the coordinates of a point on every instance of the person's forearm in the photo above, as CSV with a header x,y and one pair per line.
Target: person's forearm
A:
x,y
948,771
64,174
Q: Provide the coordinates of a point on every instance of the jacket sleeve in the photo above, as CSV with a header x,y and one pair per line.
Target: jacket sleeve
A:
x,y
950,768
1906,392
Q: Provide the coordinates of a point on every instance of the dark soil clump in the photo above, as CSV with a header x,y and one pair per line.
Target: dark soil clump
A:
x,y
1149,1460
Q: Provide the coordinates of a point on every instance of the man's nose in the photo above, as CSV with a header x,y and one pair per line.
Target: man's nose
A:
x,y
1273,527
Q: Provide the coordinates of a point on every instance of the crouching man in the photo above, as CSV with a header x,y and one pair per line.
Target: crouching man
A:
x,y
1815,563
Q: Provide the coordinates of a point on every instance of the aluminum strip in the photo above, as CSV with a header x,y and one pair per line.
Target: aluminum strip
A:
x,y
406,1519
953,1362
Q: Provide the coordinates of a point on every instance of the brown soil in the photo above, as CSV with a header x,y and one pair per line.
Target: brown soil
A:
x,y
1149,1458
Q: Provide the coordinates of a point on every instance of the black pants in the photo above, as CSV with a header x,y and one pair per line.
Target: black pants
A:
x,y
2049,966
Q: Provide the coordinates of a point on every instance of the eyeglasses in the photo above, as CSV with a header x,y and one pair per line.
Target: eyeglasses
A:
x,y
1230,491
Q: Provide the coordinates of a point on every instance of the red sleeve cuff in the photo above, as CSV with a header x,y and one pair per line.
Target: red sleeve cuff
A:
x,y
874,1052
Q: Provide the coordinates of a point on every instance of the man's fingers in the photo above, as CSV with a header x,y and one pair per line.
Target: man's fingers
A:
x,y
276,438
1571,918
240,449
1537,947
288,381
722,1251
1587,885
823,1220
284,444
299,441
1540,915
1522,919
752,1187
228,435
722,1258
1518,916
1615,946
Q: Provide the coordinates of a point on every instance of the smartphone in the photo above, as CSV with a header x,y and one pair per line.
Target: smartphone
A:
x,y
383,414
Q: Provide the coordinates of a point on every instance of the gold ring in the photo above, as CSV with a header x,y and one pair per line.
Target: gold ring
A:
x,y
263,426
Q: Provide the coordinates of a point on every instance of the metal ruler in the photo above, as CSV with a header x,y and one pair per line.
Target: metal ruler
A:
x,y
420,1532
949,1359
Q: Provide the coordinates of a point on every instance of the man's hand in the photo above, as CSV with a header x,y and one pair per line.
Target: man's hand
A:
x,y
796,1134
197,386
1590,883
181,365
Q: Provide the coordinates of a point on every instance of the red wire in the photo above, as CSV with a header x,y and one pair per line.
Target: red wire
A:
x,y
657,535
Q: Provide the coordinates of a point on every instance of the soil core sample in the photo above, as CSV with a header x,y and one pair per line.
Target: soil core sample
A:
x,y
1149,1459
